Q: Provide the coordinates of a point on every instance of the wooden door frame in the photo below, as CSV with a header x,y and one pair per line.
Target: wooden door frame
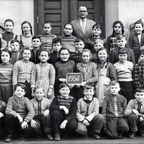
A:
x,y
73,11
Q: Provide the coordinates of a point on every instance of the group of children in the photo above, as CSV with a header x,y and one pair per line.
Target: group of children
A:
x,y
35,95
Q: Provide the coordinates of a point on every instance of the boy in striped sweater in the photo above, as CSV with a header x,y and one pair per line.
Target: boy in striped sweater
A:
x,y
114,106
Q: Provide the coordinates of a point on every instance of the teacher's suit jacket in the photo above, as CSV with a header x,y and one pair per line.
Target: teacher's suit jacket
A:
x,y
77,30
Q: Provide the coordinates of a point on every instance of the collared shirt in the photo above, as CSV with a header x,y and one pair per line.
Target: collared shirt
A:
x,y
139,38
83,24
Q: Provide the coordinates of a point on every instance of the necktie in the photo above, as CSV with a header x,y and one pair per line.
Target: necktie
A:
x,y
139,107
83,25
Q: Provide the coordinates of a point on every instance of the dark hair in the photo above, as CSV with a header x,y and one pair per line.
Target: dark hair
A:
x,y
87,87
139,22
46,23
113,83
45,50
20,85
56,40
25,48
36,37
62,50
121,24
15,40
9,20
26,22
78,40
68,24
99,51
6,50
122,51
62,85
97,26
139,90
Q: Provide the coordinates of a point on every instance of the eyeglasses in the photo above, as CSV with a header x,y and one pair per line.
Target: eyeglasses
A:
x,y
82,11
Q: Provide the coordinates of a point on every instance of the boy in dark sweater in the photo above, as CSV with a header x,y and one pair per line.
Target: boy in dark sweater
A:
x,y
63,112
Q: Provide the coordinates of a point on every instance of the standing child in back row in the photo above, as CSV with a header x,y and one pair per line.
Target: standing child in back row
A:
x,y
47,36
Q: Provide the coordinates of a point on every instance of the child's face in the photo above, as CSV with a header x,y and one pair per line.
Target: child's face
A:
x,y
121,43
26,28
117,28
96,31
64,91
26,55
19,92
102,55
39,94
138,28
79,46
86,57
98,45
122,57
36,43
57,46
15,46
88,93
43,57
5,57
47,28
139,96
64,55
8,26
68,30
114,89
141,57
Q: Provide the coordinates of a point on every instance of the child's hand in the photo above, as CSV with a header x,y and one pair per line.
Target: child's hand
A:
x,y
83,83
32,92
62,79
1,115
33,123
46,113
141,119
20,118
135,112
70,85
50,92
85,122
64,109
63,124
24,125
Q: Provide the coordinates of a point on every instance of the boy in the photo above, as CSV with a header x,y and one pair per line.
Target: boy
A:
x,y
19,112
136,40
41,107
56,44
15,51
135,113
36,43
88,113
47,36
124,70
63,112
114,105
8,35
77,55
68,40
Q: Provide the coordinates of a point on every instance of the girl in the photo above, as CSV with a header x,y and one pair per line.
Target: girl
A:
x,y
8,35
121,43
118,28
64,66
106,73
88,70
23,72
6,68
26,37
45,74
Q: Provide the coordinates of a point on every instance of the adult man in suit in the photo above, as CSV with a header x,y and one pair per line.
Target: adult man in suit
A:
x,y
82,27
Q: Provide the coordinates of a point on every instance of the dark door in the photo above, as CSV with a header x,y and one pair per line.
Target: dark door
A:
x,y
59,12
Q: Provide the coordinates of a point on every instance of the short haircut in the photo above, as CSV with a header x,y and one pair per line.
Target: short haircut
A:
x,y
25,48
87,87
62,85
87,50
113,83
47,23
68,24
44,49
6,50
141,90
9,20
99,40
36,37
79,40
62,50
38,87
56,40
15,40
121,36
97,26
122,51
139,22
20,85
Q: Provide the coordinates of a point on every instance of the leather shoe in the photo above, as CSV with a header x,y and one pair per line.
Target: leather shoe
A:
x,y
49,137
57,137
96,136
132,135
8,138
